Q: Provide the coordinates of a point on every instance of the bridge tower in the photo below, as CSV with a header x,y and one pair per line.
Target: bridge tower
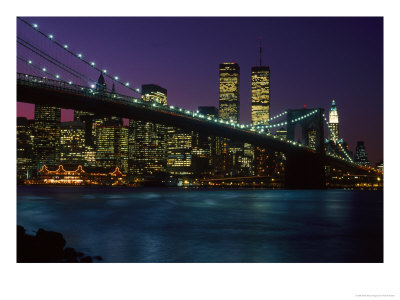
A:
x,y
305,171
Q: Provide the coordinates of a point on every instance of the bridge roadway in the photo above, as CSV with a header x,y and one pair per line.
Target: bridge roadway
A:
x,y
301,160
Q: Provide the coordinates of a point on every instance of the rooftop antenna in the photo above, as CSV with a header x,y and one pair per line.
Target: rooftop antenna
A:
x,y
260,51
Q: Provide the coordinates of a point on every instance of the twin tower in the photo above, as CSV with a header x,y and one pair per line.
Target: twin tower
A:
x,y
229,93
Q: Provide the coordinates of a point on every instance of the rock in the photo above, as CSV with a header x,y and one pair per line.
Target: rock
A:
x,y
46,246
86,259
70,253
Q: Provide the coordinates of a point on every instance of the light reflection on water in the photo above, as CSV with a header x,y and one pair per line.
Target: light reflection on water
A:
x,y
172,225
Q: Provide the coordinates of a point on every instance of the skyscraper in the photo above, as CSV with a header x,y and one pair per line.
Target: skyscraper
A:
x,y
334,122
147,140
24,148
204,147
111,145
229,92
179,152
260,105
46,142
72,143
361,154
260,93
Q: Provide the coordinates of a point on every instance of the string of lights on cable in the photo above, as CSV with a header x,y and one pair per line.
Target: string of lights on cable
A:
x,y
79,55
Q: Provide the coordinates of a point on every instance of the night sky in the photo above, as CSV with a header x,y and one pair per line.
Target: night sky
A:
x,y
312,61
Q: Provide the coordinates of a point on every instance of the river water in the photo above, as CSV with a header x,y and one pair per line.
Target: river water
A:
x,y
191,225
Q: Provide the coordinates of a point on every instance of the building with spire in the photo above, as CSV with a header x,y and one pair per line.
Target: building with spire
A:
x,y
260,92
260,107
333,123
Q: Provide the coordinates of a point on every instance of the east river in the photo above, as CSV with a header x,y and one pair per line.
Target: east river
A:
x,y
196,225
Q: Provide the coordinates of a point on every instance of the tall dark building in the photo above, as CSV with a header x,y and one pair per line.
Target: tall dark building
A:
x,y
361,154
147,140
229,92
46,142
204,147
24,148
93,121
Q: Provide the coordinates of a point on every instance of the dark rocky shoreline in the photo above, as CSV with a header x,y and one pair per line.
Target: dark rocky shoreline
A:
x,y
47,247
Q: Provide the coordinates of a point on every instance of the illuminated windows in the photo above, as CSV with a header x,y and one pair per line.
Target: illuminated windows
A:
x,y
260,93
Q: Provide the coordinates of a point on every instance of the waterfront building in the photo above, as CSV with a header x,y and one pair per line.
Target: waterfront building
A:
x,y
24,148
72,142
46,142
77,175
148,141
333,122
260,94
229,92
361,154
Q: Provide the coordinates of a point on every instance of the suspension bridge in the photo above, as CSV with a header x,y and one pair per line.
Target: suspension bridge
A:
x,y
67,86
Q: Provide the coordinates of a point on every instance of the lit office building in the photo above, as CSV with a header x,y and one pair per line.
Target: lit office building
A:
x,y
147,140
260,93
154,94
111,146
361,154
72,143
46,142
179,152
24,149
334,122
312,138
229,92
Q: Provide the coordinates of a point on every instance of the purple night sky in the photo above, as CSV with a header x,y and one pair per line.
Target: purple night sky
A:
x,y
312,61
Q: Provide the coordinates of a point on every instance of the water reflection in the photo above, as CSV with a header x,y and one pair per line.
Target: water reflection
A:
x,y
169,225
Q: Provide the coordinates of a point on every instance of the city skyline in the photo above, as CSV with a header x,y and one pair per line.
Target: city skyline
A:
x,y
289,86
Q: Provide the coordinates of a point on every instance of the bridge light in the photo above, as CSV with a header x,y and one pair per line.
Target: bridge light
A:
x,y
171,107
92,63
92,86
66,46
29,62
70,82
104,71
116,77
127,84
35,25
51,36
79,55
138,90
44,69
57,76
